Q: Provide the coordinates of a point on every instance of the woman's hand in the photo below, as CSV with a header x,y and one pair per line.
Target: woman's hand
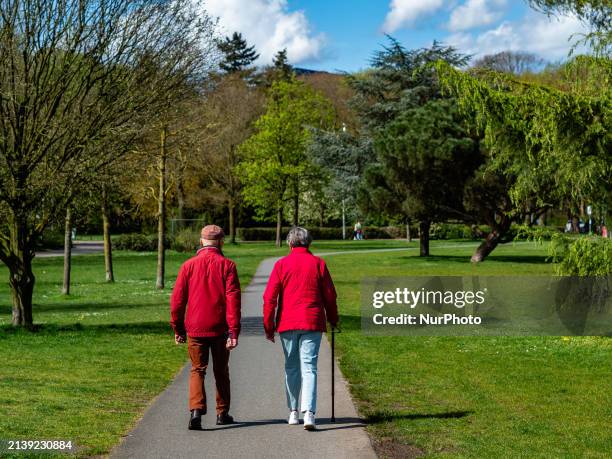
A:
x,y
231,343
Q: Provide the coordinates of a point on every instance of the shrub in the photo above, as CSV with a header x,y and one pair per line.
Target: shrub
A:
x,y
451,231
51,240
533,233
258,234
137,242
326,233
186,240
584,256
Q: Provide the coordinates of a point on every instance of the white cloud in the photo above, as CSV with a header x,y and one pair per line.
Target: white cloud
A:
x,y
549,38
476,13
270,26
405,12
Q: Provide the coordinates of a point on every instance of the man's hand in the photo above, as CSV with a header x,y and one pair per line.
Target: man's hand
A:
x,y
231,343
179,339
270,337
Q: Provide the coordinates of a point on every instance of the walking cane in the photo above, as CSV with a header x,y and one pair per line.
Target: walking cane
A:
x,y
333,372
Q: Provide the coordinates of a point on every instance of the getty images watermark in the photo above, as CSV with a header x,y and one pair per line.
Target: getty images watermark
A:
x,y
487,305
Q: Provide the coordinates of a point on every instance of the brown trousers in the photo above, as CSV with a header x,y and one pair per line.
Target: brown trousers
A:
x,y
198,352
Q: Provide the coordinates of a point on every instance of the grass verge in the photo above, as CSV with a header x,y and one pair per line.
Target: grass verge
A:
x,y
473,396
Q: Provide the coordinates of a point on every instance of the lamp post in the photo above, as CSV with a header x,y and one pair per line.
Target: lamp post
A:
x,y
343,221
343,208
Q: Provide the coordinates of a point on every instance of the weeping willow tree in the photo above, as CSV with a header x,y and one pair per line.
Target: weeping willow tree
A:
x,y
554,141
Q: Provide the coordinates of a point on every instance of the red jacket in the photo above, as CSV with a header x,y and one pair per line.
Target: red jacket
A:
x,y
307,295
209,283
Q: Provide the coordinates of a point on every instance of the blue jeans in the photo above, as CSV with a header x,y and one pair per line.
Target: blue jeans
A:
x,y
301,348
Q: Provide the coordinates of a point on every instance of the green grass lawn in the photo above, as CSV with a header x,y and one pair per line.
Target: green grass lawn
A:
x,y
104,352
467,396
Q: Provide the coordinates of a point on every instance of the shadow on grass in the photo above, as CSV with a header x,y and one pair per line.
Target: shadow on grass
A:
x,y
350,322
132,328
92,306
537,259
378,417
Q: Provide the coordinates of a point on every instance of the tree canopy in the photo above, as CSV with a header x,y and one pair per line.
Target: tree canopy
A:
x,y
275,159
237,54
75,76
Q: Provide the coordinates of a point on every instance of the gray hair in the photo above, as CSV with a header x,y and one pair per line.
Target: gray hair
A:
x,y
299,237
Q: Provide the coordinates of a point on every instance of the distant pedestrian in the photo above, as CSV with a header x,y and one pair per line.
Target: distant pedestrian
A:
x,y
208,283
358,233
301,287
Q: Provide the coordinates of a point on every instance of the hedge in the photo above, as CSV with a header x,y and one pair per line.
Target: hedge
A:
x,y
322,233
137,242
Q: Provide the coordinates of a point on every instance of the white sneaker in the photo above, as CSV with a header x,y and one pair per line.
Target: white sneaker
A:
x,y
293,418
309,420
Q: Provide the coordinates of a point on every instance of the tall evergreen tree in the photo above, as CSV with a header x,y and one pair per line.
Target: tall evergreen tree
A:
x,y
424,153
237,55
281,67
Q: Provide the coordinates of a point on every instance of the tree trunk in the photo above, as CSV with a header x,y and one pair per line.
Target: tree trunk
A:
x,y
180,197
22,288
296,204
408,235
424,237
486,247
279,224
232,223
21,280
67,252
161,228
491,241
108,248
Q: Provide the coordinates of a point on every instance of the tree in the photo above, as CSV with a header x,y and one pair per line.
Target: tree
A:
x,y
221,131
345,158
429,155
275,159
514,62
550,144
335,88
281,67
419,137
237,55
71,75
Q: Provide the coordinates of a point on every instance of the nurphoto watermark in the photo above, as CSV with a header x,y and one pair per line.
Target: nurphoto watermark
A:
x,y
487,305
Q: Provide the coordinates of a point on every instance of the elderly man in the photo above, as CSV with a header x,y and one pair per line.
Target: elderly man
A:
x,y
302,288
207,286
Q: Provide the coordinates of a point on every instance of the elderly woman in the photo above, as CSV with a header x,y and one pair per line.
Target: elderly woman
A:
x,y
301,287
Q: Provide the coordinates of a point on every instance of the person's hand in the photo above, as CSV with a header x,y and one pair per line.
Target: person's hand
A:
x,y
270,337
179,339
231,343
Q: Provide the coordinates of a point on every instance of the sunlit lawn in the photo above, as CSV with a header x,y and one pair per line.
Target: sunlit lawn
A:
x,y
467,396
106,350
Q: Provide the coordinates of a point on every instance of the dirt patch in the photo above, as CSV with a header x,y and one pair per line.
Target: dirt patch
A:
x,y
389,448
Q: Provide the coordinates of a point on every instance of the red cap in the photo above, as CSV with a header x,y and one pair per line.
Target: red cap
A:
x,y
212,233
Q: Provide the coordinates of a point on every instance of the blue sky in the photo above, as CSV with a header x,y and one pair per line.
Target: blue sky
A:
x,y
342,35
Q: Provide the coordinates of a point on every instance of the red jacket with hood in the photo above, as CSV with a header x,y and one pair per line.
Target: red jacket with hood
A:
x,y
301,286
208,287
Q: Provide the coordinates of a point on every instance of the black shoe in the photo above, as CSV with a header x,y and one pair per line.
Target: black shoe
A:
x,y
224,418
195,421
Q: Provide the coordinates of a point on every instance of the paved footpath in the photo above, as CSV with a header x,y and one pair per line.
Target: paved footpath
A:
x,y
258,406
